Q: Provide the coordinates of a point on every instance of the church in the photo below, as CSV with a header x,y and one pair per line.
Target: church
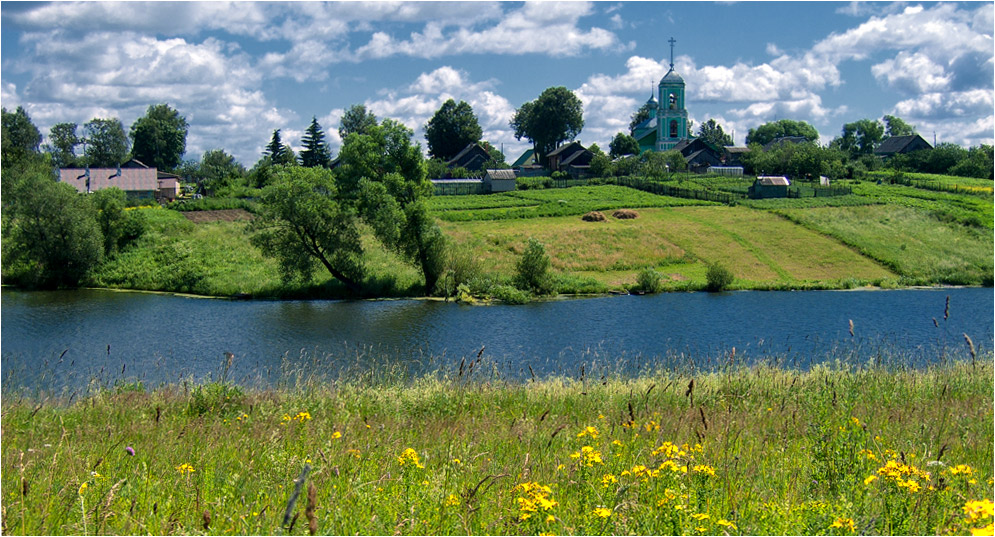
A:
x,y
668,121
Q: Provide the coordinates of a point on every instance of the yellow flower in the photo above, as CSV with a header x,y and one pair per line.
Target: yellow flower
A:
x,y
962,469
336,435
608,480
603,512
978,509
986,530
82,488
701,529
704,469
185,468
843,522
550,518
560,467
353,452
870,479
452,500
855,421
588,431
410,456
424,483
700,516
617,443
724,522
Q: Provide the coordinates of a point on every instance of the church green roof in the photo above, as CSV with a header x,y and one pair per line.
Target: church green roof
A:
x,y
672,78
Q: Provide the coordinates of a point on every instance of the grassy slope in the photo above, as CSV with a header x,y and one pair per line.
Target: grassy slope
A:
x,y
885,235
758,247
790,451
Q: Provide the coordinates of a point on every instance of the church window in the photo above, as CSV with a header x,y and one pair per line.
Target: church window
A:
x,y
673,128
673,101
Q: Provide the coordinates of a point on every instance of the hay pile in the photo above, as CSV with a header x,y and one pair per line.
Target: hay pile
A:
x,y
625,214
594,216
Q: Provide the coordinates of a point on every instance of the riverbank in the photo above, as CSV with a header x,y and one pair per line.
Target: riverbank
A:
x,y
745,450
786,246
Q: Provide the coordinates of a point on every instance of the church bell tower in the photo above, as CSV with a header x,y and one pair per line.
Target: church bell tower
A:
x,y
672,116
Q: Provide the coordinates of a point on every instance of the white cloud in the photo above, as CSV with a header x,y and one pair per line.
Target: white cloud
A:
x,y
912,73
967,104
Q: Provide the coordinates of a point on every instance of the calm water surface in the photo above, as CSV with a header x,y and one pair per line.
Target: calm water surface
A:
x,y
63,340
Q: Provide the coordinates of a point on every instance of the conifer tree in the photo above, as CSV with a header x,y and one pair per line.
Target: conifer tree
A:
x,y
316,152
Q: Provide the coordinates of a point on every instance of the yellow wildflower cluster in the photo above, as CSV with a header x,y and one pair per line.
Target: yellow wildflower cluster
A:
x,y
897,473
588,431
844,523
978,510
869,454
588,456
452,500
704,469
410,456
651,426
185,468
301,417
961,469
726,523
336,435
608,480
533,498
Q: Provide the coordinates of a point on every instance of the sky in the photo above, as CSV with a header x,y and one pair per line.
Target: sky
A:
x,y
236,71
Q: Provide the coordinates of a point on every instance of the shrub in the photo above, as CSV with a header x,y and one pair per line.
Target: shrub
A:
x,y
625,214
649,281
461,266
594,216
718,277
219,398
509,294
532,270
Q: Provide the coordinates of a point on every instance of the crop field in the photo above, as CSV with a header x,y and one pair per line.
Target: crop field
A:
x,y
551,202
909,240
961,208
835,450
757,246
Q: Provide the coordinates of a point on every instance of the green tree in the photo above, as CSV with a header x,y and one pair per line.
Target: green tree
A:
x,y
623,144
859,138
109,204
768,132
303,224
451,129
645,112
555,117
496,162
279,152
718,277
661,165
218,169
315,152
712,132
20,138
106,144
895,126
601,165
532,269
356,120
63,144
159,138
52,238
385,173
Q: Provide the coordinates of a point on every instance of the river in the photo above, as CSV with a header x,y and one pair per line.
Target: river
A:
x,y
66,340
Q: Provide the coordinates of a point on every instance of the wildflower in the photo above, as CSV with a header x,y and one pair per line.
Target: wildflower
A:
x,y
589,431
560,467
870,479
617,443
424,483
82,488
846,523
724,522
704,469
701,529
603,512
587,456
303,416
353,452
962,469
700,516
855,421
130,450
457,461
410,456
601,416
185,468
608,480
978,509
986,530
550,518
336,435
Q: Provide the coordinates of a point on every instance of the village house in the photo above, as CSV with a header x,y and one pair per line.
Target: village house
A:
x,y
572,158
137,180
901,144
472,158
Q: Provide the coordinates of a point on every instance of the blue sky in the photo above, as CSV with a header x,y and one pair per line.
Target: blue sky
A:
x,y
237,71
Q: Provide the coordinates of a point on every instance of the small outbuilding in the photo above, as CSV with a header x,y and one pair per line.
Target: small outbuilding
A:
x,y
499,181
769,186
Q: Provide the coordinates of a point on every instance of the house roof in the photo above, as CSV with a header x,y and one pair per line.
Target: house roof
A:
x,y
896,144
572,146
134,163
773,180
574,156
646,124
464,157
501,174
734,149
528,155
702,155
130,179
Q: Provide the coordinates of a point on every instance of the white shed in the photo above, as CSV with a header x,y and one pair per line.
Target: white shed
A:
x,y
499,181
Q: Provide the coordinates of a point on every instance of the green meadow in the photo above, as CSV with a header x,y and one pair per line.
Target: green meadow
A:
x,y
835,450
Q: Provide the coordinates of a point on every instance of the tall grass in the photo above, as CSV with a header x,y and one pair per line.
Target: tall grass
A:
x,y
839,448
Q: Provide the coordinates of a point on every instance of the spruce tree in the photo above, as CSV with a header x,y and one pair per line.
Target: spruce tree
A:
x,y
316,152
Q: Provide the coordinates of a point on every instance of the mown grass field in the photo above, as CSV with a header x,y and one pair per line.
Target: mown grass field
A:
x,y
835,450
760,248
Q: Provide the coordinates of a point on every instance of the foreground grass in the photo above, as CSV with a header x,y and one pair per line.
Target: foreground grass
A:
x,y
834,450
